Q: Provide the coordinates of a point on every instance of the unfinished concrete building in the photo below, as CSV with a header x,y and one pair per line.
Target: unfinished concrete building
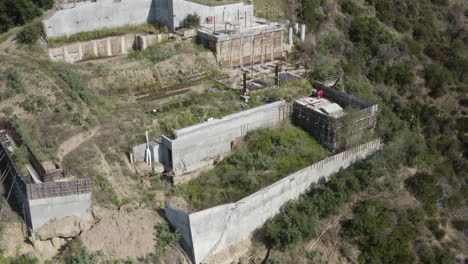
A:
x,y
38,194
193,148
249,41
336,119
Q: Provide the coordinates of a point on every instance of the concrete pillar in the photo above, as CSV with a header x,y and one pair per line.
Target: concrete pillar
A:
x,y
80,51
66,56
252,53
272,45
290,36
262,52
218,52
109,47
123,45
230,52
303,32
296,28
241,53
95,48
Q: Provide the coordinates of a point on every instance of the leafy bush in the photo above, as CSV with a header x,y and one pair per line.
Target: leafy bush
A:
x,y
351,8
399,74
30,33
16,82
7,110
437,77
16,12
311,17
165,236
424,187
383,235
368,35
191,21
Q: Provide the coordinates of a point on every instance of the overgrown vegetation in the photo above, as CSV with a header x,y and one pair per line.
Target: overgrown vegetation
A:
x,y
166,238
30,33
19,12
191,21
266,156
149,28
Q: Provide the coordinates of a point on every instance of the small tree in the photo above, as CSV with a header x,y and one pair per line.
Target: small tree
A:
x,y
30,33
192,21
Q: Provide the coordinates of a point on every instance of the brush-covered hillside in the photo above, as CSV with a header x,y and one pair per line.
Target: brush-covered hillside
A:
x,y
405,204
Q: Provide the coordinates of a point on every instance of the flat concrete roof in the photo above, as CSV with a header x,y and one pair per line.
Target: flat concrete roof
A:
x,y
323,106
243,25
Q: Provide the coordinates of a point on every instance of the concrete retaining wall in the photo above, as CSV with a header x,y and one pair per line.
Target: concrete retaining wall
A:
x,y
44,210
106,47
198,146
217,228
89,16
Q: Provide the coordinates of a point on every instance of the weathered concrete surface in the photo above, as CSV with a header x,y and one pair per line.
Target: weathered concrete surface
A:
x,y
198,146
222,13
217,228
44,210
89,16
180,220
106,47
101,14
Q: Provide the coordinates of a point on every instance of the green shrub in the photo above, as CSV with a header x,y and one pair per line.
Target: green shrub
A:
x,y
351,8
367,34
7,110
165,236
437,77
383,235
402,24
16,82
191,21
17,12
311,17
30,33
399,74
424,187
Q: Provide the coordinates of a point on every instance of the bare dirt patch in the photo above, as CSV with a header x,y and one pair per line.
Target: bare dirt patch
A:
x,y
123,233
74,142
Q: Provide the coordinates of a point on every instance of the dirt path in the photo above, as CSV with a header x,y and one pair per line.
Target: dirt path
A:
x,y
74,142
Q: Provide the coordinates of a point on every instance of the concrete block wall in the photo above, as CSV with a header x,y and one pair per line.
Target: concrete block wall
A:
x,y
251,49
217,228
198,146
